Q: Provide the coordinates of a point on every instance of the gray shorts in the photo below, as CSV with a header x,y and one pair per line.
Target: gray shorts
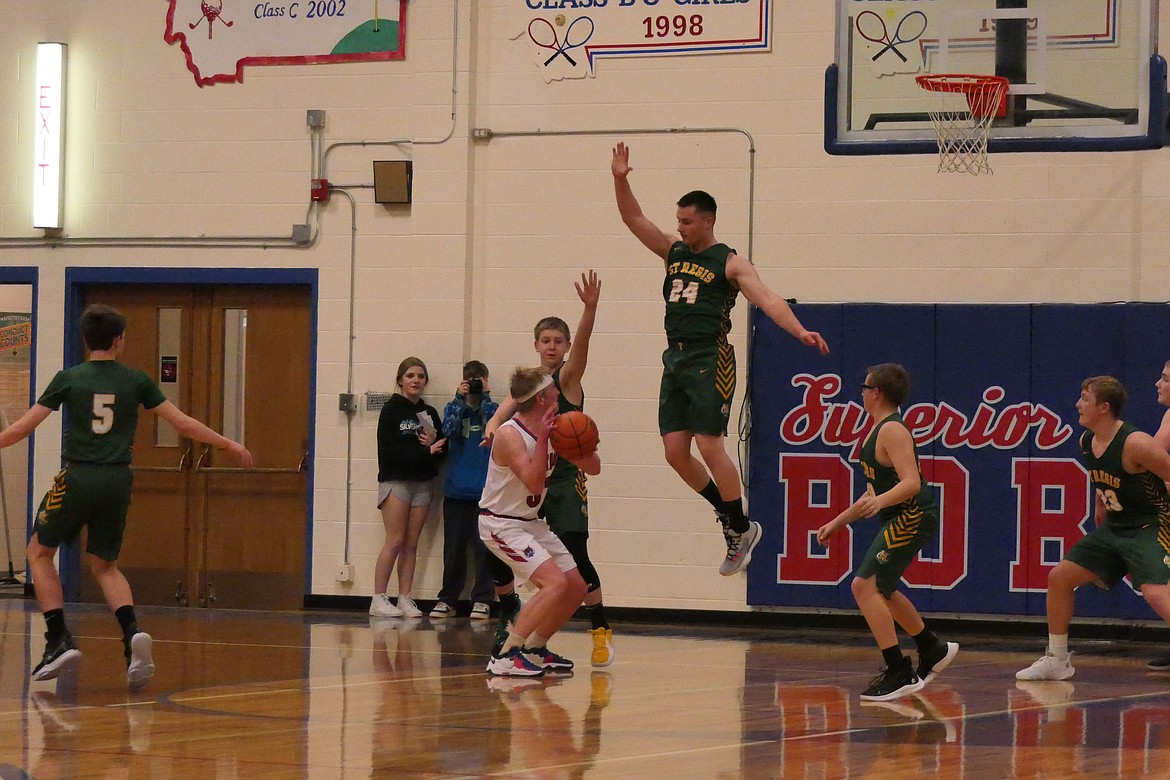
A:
x,y
415,492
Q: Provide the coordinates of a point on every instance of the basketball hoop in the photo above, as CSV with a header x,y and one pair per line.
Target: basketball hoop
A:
x,y
962,132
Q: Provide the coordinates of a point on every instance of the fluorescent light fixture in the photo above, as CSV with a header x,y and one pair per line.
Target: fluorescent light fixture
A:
x,y
49,138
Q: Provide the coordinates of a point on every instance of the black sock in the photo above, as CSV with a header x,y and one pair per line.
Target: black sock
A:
x,y
596,615
54,625
509,602
736,519
925,639
128,622
711,493
894,658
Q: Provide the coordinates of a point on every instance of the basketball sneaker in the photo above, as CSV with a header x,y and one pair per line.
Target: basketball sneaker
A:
x,y
1159,664
382,606
934,660
602,647
408,607
504,627
1048,667
893,683
513,663
481,610
139,662
442,610
59,658
548,660
739,548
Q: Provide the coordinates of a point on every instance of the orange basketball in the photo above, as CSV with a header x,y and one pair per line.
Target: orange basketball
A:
x,y
574,435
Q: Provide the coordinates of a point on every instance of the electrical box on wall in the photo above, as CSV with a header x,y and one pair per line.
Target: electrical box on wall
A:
x,y
392,181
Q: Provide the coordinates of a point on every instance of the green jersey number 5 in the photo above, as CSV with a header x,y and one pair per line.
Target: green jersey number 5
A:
x,y
103,412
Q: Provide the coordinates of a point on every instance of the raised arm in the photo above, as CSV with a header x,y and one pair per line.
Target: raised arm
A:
x,y
572,372
27,423
193,429
643,229
745,276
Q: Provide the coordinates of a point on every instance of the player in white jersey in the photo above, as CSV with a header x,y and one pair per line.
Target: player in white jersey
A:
x,y
517,479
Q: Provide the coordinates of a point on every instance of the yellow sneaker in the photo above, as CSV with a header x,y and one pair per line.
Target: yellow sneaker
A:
x,y
602,646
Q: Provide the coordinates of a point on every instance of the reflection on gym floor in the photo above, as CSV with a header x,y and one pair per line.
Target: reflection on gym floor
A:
x,y
339,695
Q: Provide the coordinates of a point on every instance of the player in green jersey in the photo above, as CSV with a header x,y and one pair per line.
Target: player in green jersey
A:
x,y
703,279
101,399
904,502
1128,471
1162,438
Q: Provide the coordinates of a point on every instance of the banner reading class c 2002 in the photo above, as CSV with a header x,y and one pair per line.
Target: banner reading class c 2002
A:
x,y
566,38
220,37
992,412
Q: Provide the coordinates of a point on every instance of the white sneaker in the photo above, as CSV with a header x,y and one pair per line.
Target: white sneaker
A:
x,y
739,548
381,606
141,667
408,607
481,611
442,610
1048,667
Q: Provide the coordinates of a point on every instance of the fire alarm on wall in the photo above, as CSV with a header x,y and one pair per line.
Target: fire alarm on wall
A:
x,y
319,189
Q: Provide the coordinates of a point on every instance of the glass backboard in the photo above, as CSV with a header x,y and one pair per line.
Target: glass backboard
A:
x,y
1085,75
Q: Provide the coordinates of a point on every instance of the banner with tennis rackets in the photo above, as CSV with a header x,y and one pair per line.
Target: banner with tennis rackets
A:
x,y
992,408
220,37
565,38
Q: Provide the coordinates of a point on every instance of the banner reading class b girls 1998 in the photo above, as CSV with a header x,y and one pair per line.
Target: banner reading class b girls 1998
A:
x,y
992,411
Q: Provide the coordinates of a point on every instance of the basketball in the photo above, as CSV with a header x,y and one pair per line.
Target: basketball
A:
x,y
574,435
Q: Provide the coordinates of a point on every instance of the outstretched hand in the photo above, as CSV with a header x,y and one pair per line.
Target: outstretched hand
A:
x,y
589,290
620,166
810,338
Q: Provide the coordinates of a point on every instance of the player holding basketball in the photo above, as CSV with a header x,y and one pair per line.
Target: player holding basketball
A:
x,y
703,278
517,479
566,507
905,504
1128,470
101,399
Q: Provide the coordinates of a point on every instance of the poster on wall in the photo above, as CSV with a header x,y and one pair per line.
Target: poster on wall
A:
x,y
15,339
565,40
992,411
220,37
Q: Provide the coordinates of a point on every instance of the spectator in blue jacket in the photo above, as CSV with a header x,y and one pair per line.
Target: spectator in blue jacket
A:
x,y
464,419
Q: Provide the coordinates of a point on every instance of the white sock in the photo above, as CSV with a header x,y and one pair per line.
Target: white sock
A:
x,y
536,640
1058,645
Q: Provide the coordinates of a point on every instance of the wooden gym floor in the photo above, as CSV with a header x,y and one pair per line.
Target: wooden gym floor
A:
x,y
340,695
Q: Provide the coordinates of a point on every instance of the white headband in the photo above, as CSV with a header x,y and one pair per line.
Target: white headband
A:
x,y
545,381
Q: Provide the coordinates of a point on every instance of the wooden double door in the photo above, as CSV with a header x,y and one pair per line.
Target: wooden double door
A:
x,y
201,530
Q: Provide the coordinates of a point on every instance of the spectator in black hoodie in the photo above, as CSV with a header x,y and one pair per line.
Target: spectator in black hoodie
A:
x,y
409,451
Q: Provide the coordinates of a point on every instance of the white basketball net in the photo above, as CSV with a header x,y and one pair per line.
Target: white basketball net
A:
x,y
967,107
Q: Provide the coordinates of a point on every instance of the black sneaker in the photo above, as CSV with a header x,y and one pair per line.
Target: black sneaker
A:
x,y
1159,664
933,661
504,627
893,683
59,658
